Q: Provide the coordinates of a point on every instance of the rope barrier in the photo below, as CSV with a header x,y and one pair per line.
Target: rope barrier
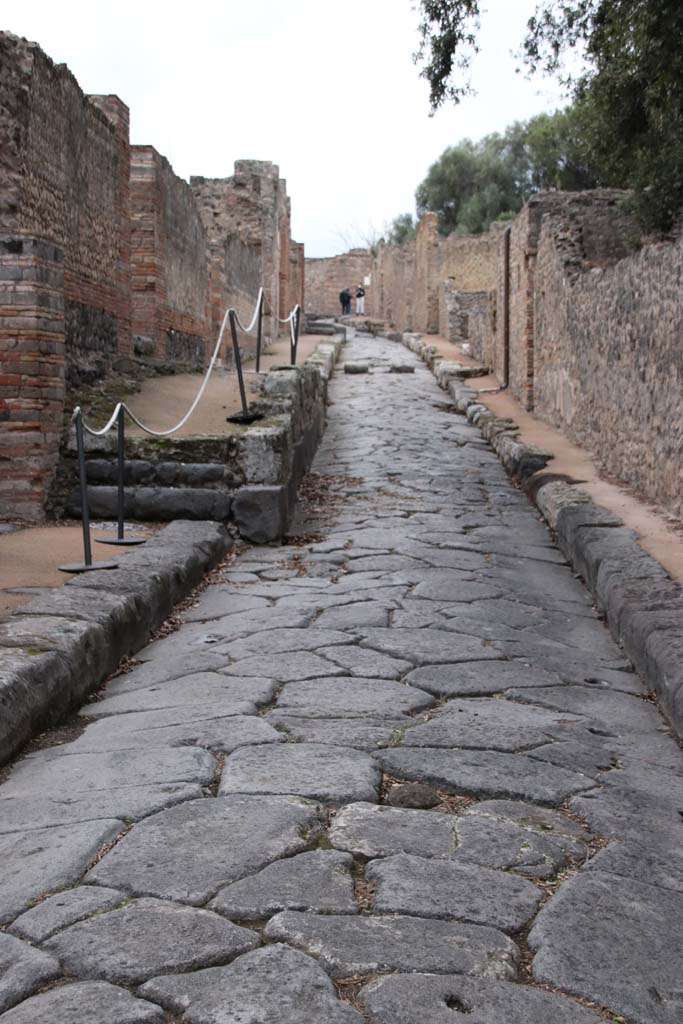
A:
x,y
121,409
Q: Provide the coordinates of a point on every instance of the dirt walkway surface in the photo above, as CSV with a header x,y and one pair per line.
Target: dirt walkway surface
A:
x,y
162,401
395,773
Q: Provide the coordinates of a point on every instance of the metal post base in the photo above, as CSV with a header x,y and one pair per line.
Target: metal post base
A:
x,y
82,567
122,541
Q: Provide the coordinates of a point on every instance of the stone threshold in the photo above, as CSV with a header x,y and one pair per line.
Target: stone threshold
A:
x,y
642,604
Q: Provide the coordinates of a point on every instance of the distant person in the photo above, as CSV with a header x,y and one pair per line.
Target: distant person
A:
x,y
345,299
360,300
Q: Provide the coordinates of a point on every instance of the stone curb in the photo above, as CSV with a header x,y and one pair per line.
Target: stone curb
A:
x,y
642,605
62,645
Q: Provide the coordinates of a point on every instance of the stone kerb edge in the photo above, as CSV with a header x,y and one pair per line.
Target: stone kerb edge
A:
x,y
262,511
642,605
61,646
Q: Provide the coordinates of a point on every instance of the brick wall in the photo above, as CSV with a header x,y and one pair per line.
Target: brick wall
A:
x,y
169,264
65,259
327,277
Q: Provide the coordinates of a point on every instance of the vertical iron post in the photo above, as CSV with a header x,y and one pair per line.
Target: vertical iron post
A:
x,y
238,363
259,332
120,432
85,513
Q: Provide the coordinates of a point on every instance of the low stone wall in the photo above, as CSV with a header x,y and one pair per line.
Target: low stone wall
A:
x,y
457,310
248,477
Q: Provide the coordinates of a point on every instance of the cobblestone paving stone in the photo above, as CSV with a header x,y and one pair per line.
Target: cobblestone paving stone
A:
x,y
233,834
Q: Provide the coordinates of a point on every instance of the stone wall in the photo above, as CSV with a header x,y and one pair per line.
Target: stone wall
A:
x,y
326,278
65,284
458,310
608,349
168,264
247,221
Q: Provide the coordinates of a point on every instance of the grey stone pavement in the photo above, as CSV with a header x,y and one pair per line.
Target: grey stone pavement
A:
x,y
394,773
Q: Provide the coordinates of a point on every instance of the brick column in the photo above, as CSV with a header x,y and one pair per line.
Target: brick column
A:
x,y
31,372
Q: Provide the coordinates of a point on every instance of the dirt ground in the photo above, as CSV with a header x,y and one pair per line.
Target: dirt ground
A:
x,y
660,534
29,557
162,401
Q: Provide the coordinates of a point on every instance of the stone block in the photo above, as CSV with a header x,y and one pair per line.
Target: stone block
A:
x,y
261,512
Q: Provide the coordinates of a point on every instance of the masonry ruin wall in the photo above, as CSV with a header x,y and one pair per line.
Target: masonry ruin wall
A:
x,y
108,260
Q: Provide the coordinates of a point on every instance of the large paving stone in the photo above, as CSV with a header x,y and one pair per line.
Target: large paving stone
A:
x,y
488,724
85,1003
431,999
236,696
23,970
280,641
619,712
20,814
442,585
372,830
176,727
346,946
362,662
271,984
64,908
351,698
56,771
362,733
655,858
500,843
42,860
285,668
451,890
361,613
485,774
216,602
478,679
147,937
189,852
428,646
615,941
330,774
319,880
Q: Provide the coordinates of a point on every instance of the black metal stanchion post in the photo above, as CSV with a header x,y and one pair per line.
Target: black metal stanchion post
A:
x,y
297,323
87,564
259,331
120,537
238,364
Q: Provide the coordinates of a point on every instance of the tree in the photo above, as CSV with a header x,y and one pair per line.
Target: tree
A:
x,y
473,183
628,95
401,229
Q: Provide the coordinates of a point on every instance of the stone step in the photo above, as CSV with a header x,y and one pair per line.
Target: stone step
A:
x,y
161,474
156,504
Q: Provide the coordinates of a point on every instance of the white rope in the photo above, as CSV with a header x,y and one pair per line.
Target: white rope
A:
x,y
172,430
248,330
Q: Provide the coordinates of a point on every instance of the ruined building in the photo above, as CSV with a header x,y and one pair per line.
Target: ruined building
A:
x,y
107,258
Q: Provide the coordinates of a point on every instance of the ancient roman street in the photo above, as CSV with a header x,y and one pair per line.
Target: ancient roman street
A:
x,y
394,771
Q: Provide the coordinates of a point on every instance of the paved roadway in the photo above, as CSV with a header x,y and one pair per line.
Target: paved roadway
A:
x,y
397,774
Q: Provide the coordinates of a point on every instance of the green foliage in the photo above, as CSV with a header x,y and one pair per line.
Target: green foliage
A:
x,y
401,229
626,121
475,183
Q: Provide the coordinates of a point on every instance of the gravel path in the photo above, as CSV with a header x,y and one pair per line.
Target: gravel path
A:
x,y
396,772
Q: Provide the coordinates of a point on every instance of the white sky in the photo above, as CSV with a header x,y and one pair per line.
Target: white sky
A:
x,y
326,90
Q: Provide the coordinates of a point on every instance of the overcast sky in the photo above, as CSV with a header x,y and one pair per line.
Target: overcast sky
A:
x,y
327,90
